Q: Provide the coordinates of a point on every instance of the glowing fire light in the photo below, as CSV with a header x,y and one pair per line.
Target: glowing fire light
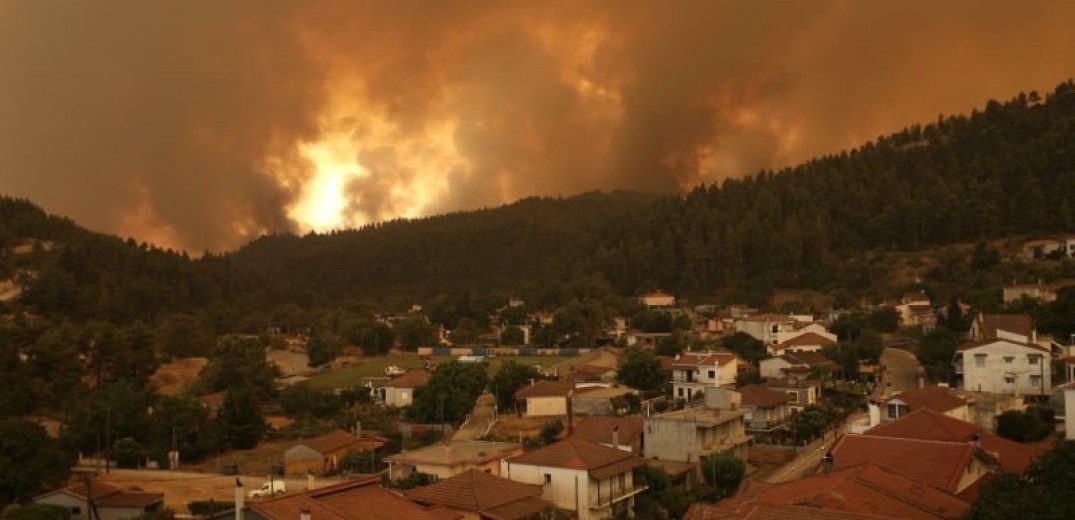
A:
x,y
323,202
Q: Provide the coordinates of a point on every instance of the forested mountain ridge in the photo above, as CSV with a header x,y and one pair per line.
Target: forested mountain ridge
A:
x,y
1005,170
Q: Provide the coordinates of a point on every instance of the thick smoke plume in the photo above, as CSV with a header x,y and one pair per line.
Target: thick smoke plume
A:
x,y
201,123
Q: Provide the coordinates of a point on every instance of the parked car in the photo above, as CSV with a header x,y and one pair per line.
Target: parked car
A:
x,y
268,489
393,371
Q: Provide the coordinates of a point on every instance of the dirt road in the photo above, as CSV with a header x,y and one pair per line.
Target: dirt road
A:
x,y
480,417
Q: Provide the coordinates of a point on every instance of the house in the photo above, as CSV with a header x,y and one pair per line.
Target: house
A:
x,y
109,502
866,491
766,411
445,460
805,342
693,372
694,433
399,391
657,300
620,432
1014,327
801,392
780,366
940,399
477,495
948,466
927,424
1003,366
543,398
352,500
916,309
766,328
323,454
600,400
1035,291
645,340
1050,247
593,481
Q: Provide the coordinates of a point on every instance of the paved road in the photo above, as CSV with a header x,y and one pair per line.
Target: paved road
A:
x,y
901,371
811,456
480,417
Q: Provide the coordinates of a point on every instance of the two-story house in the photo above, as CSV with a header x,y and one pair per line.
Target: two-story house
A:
x,y
693,372
692,434
936,398
593,481
1003,366
801,391
766,410
766,328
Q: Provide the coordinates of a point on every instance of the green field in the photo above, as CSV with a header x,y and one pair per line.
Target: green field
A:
x,y
374,367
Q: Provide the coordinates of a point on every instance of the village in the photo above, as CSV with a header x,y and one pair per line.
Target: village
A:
x,y
746,412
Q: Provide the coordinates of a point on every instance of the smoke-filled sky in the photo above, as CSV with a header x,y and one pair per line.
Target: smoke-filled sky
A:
x,y
203,123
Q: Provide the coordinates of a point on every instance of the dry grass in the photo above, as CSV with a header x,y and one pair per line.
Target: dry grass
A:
x,y
172,378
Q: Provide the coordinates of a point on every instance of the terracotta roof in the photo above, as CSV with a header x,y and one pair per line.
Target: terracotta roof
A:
x,y
598,428
572,453
939,464
738,510
445,513
990,341
787,382
338,440
525,508
927,424
546,388
806,358
356,500
867,489
459,452
692,359
411,379
762,397
108,495
936,398
809,338
1017,323
473,491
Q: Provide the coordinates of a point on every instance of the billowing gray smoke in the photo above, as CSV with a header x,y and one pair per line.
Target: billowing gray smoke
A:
x,y
201,123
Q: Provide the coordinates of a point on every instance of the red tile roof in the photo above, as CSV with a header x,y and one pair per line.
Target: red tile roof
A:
x,y
867,489
598,429
927,424
806,358
1017,323
762,397
338,440
475,491
807,339
572,453
939,464
936,398
695,359
355,500
751,511
108,495
411,379
546,388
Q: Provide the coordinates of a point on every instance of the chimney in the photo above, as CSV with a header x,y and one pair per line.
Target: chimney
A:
x,y
309,479
976,441
616,437
304,514
239,496
827,462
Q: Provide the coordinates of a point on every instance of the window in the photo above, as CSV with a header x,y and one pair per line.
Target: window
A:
x,y
1008,359
896,410
548,478
1035,380
76,511
793,397
776,329
1033,360
979,360
712,374
680,392
1009,380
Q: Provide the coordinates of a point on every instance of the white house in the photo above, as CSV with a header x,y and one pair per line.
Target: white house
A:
x,y
808,341
935,398
693,372
1038,249
399,392
543,398
780,366
766,327
593,481
1013,327
657,300
111,502
1003,366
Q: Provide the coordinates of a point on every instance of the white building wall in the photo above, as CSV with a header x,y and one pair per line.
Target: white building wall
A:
x,y
1069,414
398,397
544,406
986,368
772,368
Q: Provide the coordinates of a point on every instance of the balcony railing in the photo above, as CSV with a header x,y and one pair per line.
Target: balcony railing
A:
x,y
617,494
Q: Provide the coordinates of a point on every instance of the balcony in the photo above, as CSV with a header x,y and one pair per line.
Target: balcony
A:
x,y
606,499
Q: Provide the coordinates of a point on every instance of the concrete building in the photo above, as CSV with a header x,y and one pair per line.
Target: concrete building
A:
x,y
592,481
801,392
399,391
766,410
693,372
445,460
109,501
694,433
1003,366
780,366
766,328
600,400
544,398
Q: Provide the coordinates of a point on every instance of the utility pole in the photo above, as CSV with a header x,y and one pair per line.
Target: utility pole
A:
x,y
108,439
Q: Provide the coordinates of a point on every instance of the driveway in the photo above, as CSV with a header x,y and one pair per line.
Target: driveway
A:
x,y
901,371
480,417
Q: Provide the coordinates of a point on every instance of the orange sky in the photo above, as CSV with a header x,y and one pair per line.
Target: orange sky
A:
x,y
201,124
